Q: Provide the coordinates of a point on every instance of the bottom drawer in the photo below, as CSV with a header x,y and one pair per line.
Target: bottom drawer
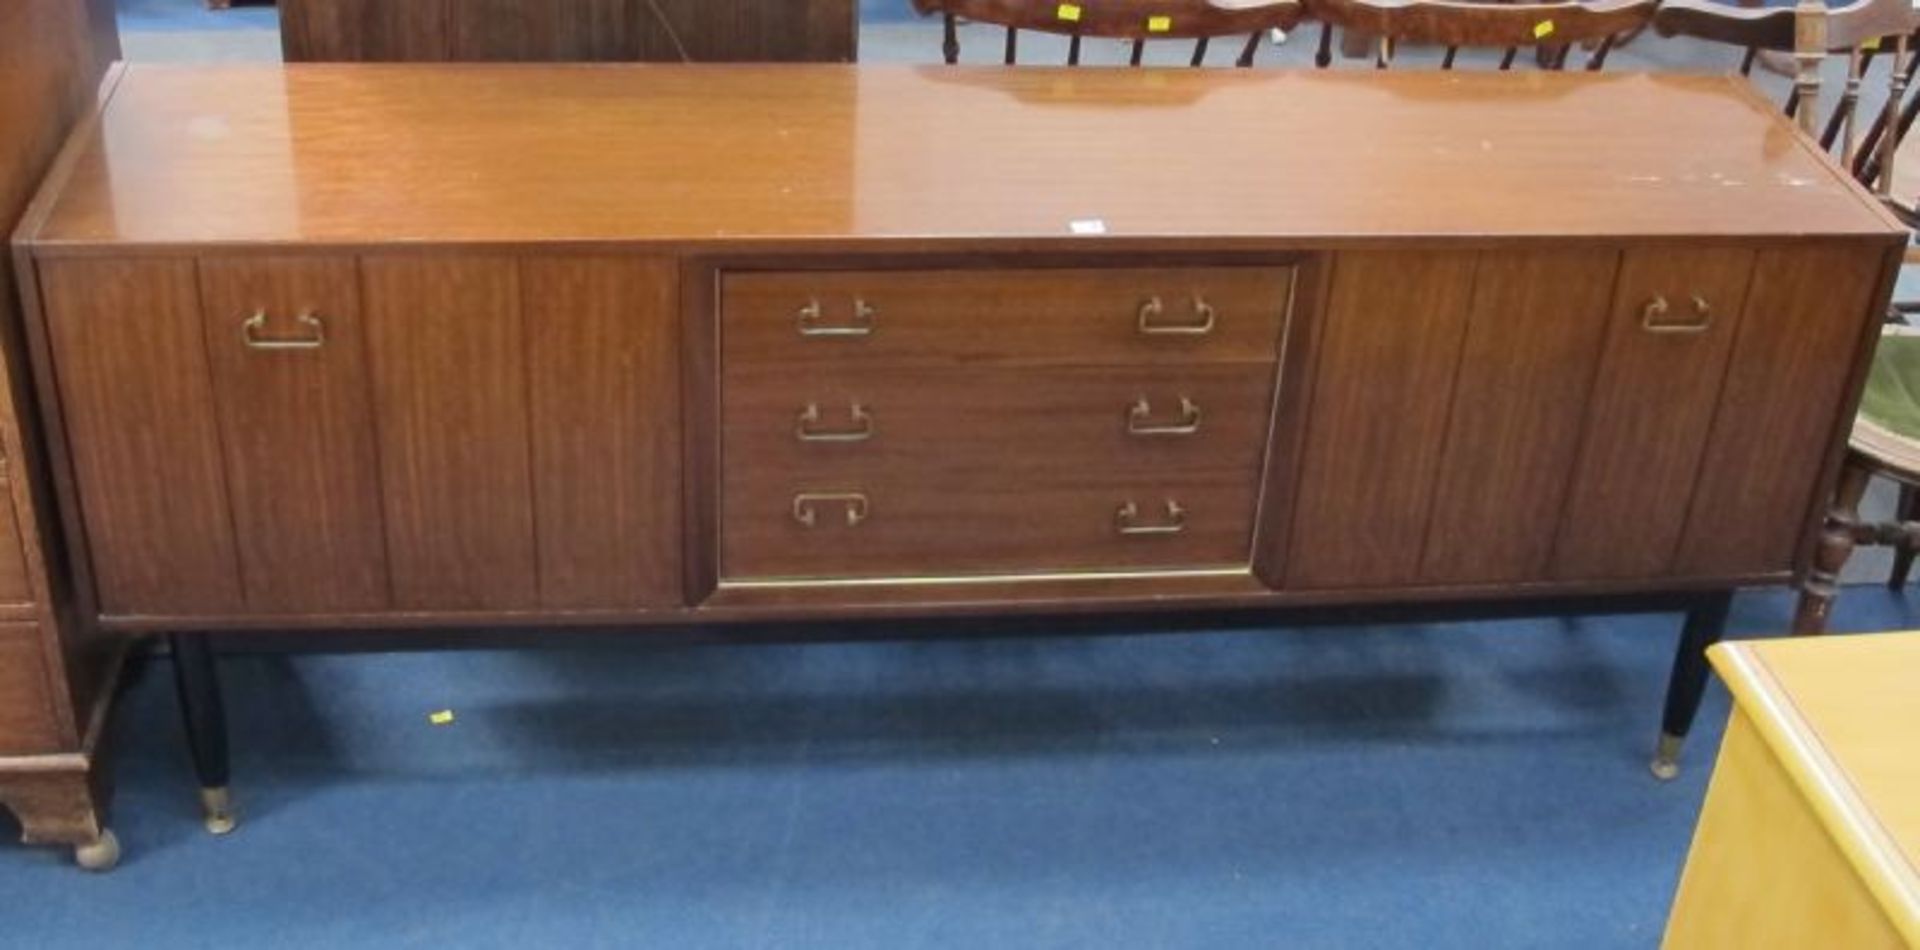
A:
x,y
894,526
27,725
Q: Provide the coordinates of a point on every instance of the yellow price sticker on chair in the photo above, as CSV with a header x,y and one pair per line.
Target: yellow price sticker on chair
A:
x,y
1872,44
1070,12
1159,24
1543,29
442,718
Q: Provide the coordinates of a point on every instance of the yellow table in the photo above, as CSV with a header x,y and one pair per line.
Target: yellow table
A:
x,y
1811,832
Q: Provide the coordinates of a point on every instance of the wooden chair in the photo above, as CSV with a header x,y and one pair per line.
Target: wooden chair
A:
x,y
1886,433
1200,21
1553,29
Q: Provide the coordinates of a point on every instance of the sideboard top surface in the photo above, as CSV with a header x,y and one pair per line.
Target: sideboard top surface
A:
x,y
759,156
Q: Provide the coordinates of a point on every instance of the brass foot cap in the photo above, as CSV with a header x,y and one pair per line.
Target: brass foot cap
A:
x,y
1666,757
217,804
100,854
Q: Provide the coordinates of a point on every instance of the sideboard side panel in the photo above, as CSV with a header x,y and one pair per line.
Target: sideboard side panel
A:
x,y
450,395
1783,391
134,384
1390,347
604,359
1534,341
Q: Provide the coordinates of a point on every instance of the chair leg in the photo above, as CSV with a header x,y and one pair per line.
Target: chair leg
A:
x,y
1688,681
197,681
1903,552
1836,546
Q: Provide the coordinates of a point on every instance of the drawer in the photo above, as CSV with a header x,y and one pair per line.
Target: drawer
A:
x,y
27,723
990,471
1223,314
15,587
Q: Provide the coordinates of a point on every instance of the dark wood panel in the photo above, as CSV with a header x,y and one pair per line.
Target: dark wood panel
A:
x,y
988,315
1389,350
543,30
1652,407
1783,392
1533,342
132,369
604,357
569,30
296,424
450,391
27,721
364,30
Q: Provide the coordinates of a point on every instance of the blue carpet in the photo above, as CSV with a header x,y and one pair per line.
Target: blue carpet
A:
x,y
1463,785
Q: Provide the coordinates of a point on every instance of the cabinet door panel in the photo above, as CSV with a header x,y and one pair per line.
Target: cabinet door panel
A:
x,y
1804,321
297,430
1651,411
132,369
27,721
364,30
1389,348
605,363
450,390
1533,341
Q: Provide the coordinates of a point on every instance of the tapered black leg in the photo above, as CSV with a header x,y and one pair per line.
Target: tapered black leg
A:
x,y
1688,681
205,716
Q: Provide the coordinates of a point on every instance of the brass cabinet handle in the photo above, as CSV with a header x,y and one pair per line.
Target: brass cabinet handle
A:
x,y
1127,520
1651,317
1140,416
250,331
1153,310
806,512
862,325
807,426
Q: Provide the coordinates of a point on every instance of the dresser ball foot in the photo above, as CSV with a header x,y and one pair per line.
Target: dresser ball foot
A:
x,y
1666,757
217,803
100,854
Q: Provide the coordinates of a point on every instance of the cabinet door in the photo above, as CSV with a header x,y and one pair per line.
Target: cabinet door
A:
x,y
1390,345
288,354
450,391
1676,313
1533,341
1806,317
604,359
132,368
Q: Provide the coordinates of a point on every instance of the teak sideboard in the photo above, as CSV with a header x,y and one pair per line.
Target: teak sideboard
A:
x,y
324,347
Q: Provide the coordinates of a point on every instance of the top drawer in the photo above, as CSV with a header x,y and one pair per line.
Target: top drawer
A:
x,y
1211,314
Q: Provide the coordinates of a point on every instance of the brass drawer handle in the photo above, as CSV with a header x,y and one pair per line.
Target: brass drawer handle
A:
x,y
1127,520
1153,310
1140,419
862,325
806,512
250,331
1652,316
807,426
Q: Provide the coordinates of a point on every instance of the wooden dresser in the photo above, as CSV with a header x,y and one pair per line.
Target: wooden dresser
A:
x,y
1811,831
396,346
55,679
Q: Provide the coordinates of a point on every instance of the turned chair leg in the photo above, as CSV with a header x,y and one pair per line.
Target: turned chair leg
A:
x,y
1903,552
1688,681
205,716
1830,555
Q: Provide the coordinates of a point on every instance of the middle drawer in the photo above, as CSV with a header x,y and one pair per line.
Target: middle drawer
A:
x,y
989,469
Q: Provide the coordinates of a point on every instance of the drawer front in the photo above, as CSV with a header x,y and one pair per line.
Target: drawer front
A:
x,y
1229,314
15,587
904,473
27,723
